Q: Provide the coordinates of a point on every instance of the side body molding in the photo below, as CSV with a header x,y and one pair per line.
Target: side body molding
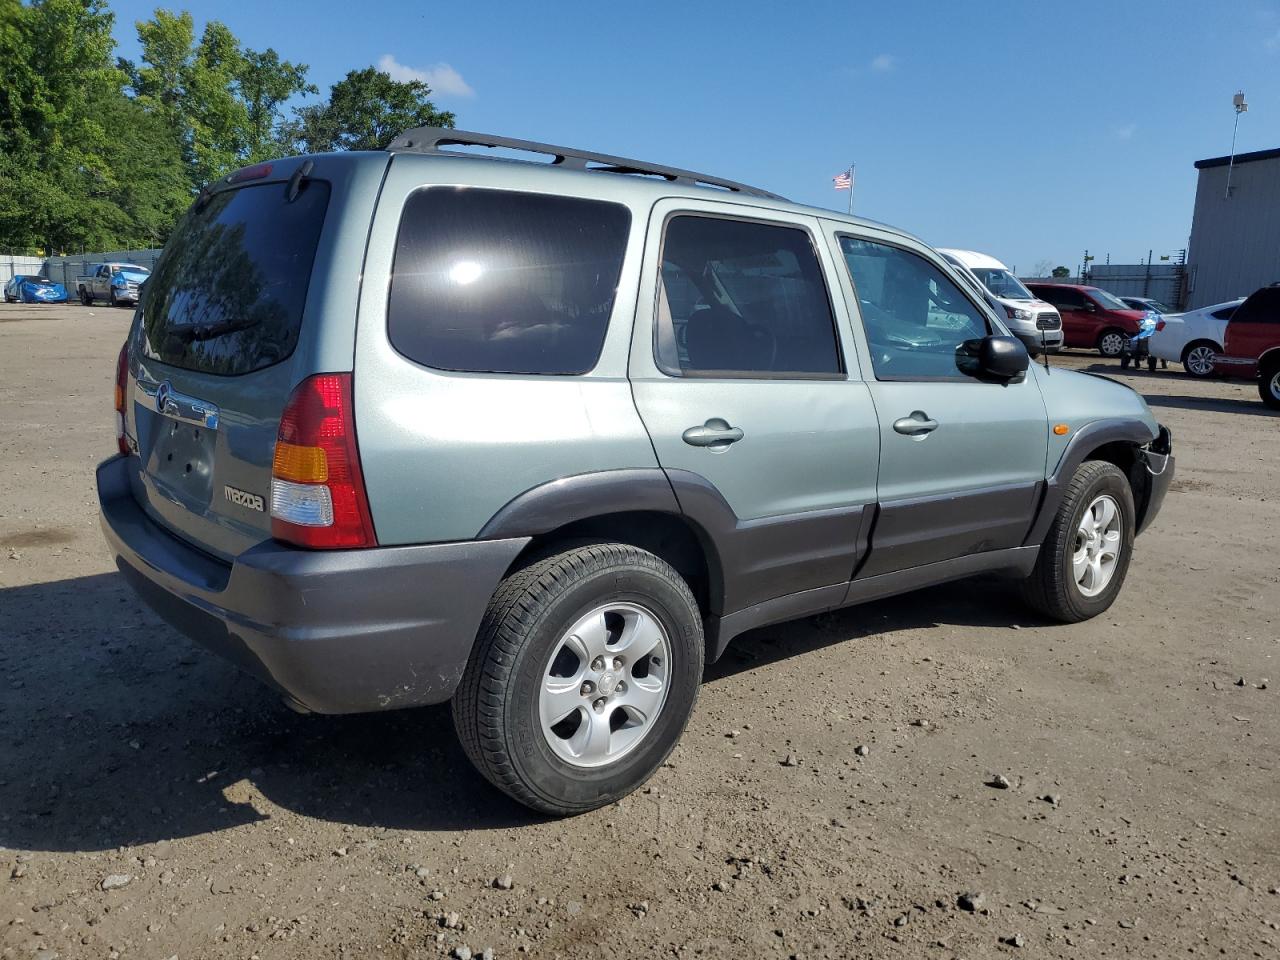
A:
x,y
1086,440
750,561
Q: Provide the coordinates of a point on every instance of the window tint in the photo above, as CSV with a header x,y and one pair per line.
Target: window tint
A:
x,y
503,282
918,323
1223,314
228,293
743,298
1263,306
1064,298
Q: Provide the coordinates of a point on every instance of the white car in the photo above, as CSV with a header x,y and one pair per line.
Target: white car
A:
x,y
1192,338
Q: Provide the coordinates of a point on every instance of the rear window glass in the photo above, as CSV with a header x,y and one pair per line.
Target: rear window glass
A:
x,y
1263,306
501,282
228,292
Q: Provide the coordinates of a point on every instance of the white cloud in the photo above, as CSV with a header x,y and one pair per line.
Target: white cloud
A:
x,y
441,78
884,62
1126,131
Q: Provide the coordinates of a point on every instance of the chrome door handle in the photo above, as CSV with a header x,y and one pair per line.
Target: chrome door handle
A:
x,y
715,433
916,425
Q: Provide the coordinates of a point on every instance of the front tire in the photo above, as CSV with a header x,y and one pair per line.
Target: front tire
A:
x,y
85,299
1085,556
582,679
1112,342
1197,358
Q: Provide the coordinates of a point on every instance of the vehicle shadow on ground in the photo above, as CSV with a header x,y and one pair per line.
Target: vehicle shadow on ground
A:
x,y
121,732
1255,407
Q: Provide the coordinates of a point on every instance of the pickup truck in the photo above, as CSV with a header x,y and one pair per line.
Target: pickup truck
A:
x,y
114,282
1251,344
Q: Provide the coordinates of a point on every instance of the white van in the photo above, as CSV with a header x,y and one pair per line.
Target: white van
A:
x,y
1032,320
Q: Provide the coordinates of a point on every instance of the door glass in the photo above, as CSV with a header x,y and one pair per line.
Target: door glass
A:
x,y
743,299
918,323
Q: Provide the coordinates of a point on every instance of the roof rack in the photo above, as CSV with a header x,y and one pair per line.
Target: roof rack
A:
x,y
431,139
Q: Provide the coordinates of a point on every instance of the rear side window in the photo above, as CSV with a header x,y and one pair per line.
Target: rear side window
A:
x,y
228,293
740,298
493,281
1263,306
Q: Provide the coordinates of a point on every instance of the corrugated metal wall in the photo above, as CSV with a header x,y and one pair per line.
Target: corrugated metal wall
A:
x,y
1158,281
12,265
1235,241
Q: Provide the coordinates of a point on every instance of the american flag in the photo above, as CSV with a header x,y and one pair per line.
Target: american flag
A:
x,y
844,181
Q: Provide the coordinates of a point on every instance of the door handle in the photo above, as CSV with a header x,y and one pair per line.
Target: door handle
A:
x,y
916,425
715,433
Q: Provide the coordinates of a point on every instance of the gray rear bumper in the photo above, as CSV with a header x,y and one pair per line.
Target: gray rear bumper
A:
x,y
344,631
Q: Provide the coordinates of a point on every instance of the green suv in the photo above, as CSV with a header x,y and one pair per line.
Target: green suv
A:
x,y
542,438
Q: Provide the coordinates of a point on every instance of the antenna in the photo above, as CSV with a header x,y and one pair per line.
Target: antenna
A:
x,y
1241,106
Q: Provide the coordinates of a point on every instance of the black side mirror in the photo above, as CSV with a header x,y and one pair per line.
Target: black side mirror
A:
x,y
1002,359
1090,307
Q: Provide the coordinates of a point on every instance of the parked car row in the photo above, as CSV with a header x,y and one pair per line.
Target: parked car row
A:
x,y
115,283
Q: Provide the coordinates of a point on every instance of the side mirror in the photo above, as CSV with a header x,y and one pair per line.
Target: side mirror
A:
x,y
1002,359
1090,307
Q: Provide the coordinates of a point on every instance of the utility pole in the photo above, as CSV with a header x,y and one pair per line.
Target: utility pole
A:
x,y
1241,106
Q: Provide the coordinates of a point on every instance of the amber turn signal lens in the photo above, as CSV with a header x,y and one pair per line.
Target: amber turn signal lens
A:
x,y
300,464
1061,429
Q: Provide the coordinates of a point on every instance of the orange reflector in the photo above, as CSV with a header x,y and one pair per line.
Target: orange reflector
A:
x,y
300,464
1061,429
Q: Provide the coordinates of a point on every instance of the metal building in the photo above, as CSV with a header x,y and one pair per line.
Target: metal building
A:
x,y
1235,229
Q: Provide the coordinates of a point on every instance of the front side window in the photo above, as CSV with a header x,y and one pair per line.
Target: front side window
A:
x,y
1064,298
918,323
494,281
743,299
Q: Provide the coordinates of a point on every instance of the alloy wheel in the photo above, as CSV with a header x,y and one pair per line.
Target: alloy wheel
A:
x,y
605,684
1111,344
1200,360
1097,546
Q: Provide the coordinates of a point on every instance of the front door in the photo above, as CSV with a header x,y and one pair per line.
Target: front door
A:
x,y
961,460
740,366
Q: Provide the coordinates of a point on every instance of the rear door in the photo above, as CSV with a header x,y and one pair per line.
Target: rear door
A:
x,y
961,461
748,384
229,323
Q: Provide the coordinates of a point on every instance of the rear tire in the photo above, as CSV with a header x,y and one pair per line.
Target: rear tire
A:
x,y
1067,584
1111,342
525,671
1197,358
85,299
1269,387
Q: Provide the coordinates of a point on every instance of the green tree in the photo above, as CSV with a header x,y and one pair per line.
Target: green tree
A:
x,y
366,110
1061,272
223,103
62,117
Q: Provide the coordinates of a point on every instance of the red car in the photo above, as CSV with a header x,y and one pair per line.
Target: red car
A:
x,y
1251,345
1091,318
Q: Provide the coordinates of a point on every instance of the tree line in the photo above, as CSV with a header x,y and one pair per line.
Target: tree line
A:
x,y
99,152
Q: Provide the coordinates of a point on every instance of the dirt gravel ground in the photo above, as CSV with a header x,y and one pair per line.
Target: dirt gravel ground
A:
x,y
225,826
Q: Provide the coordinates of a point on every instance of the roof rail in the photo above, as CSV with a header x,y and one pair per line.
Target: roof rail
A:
x,y
431,139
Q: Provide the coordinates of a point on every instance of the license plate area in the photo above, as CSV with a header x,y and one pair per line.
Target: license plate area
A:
x,y
184,434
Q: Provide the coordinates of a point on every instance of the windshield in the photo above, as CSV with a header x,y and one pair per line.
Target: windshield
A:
x,y
129,268
1002,283
1107,301
228,293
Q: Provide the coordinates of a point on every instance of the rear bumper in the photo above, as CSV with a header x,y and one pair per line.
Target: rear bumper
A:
x,y
345,631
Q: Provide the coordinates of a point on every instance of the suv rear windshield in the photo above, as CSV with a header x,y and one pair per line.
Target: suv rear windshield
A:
x,y
228,293
496,281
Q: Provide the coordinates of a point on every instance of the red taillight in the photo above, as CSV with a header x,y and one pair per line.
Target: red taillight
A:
x,y
122,383
1159,324
317,491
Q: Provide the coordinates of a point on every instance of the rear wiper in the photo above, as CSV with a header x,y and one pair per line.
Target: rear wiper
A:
x,y
210,331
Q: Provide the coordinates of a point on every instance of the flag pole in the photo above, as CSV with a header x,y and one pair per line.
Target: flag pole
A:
x,y
851,182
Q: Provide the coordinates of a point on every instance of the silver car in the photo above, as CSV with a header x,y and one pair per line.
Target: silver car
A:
x,y
403,427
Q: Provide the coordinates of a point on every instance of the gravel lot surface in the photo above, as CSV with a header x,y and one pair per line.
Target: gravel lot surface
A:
x,y
832,797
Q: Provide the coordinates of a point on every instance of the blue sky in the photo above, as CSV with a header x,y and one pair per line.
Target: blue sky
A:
x,y
1026,130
